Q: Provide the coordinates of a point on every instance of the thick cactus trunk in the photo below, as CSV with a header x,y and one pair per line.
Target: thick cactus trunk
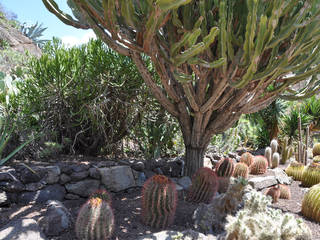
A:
x,y
193,160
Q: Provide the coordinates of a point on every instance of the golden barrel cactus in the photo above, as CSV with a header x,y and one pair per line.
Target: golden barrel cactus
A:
x,y
311,175
295,170
311,203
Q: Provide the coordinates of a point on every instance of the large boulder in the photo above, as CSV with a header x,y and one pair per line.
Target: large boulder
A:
x,y
117,178
52,174
260,183
281,176
83,188
51,192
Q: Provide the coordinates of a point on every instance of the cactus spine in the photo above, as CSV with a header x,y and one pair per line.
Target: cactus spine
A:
x,y
311,203
95,220
275,160
285,192
241,170
295,169
274,192
259,165
204,186
311,175
287,151
159,199
268,155
247,158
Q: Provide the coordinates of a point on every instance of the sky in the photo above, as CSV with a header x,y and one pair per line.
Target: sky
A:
x,y
32,11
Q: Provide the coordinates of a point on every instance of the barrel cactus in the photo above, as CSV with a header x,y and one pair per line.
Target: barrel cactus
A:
x,y
311,203
241,170
95,220
102,194
316,149
285,192
225,167
275,160
274,192
259,166
268,155
295,170
247,158
316,159
159,200
204,186
311,175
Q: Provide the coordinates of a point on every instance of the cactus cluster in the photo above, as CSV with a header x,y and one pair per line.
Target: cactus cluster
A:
x,y
295,169
316,149
204,186
274,146
274,192
268,155
311,203
311,175
159,199
241,170
259,166
285,192
287,151
275,160
247,158
95,220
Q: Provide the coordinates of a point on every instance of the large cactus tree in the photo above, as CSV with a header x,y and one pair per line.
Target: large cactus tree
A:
x,y
216,59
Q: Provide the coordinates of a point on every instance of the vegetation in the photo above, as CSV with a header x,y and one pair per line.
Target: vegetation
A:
x,y
259,165
311,202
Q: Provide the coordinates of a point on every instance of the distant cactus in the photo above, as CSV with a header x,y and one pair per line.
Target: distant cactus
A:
x,y
95,220
247,158
159,199
311,203
311,175
316,159
275,160
274,193
295,170
287,151
259,165
225,167
241,170
102,194
285,192
268,155
316,149
204,186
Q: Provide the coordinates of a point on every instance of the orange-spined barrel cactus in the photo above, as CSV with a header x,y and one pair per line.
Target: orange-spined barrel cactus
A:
x,y
204,186
311,175
285,192
295,170
259,165
95,220
274,192
247,158
316,149
225,167
159,199
241,170
102,194
311,203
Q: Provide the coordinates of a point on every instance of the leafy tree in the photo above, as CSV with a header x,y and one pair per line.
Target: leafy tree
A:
x,y
216,59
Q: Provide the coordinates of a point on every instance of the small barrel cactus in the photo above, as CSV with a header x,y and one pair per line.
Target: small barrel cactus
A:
x,y
274,192
159,200
225,167
247,158
285,192
204,186
295,169
268,155
316,159
259,165
311,203
275,160
102,194
316,149
311,175
241,170
95,220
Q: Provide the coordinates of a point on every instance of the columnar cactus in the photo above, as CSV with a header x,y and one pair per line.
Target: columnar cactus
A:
x,y
285,192
102,194
95,220
287,151
274,192
316,149
247,158
311,175
274,146
295,169
311,203
241,170
275,160
204,186
159,199
259,165
268,155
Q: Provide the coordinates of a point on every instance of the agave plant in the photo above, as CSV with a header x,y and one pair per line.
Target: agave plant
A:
x,y
34,32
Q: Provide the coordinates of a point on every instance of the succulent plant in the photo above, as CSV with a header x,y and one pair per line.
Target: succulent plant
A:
x,y
159,200
274,146
268,155
295,170
102,194
259,166
311,175
287,151
274,192
311,203
316,159
275,160
225,167
316,149
95,220
204,186
247,158
241,170
285,192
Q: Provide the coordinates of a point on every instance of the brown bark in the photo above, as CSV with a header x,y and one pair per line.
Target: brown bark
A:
x,y
193,160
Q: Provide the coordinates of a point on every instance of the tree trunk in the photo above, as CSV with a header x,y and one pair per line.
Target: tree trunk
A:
x,y
193,160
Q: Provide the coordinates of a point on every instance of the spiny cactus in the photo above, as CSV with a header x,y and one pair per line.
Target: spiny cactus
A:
x,y
241,170
102,194
274,146
268,155
274,192
204,186
247,158
316,159
225,167
95,220
285,192
258,221
159,199
259,165
287,151
311,203
295,169
316,149
311,175
275,160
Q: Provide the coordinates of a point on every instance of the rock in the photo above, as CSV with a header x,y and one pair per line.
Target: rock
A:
x,y
65,168
76,176
64,178
106,164
184,182
158,171
281,176
138,166
53,173
139,177
31,187
173,168
71,196
149,173
260,183
15,186
207,162
80,167
94,173
4,199
56,220
8,174
175,235
83,188
232,155
22,229
117,178
28,176
51,192
179,187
